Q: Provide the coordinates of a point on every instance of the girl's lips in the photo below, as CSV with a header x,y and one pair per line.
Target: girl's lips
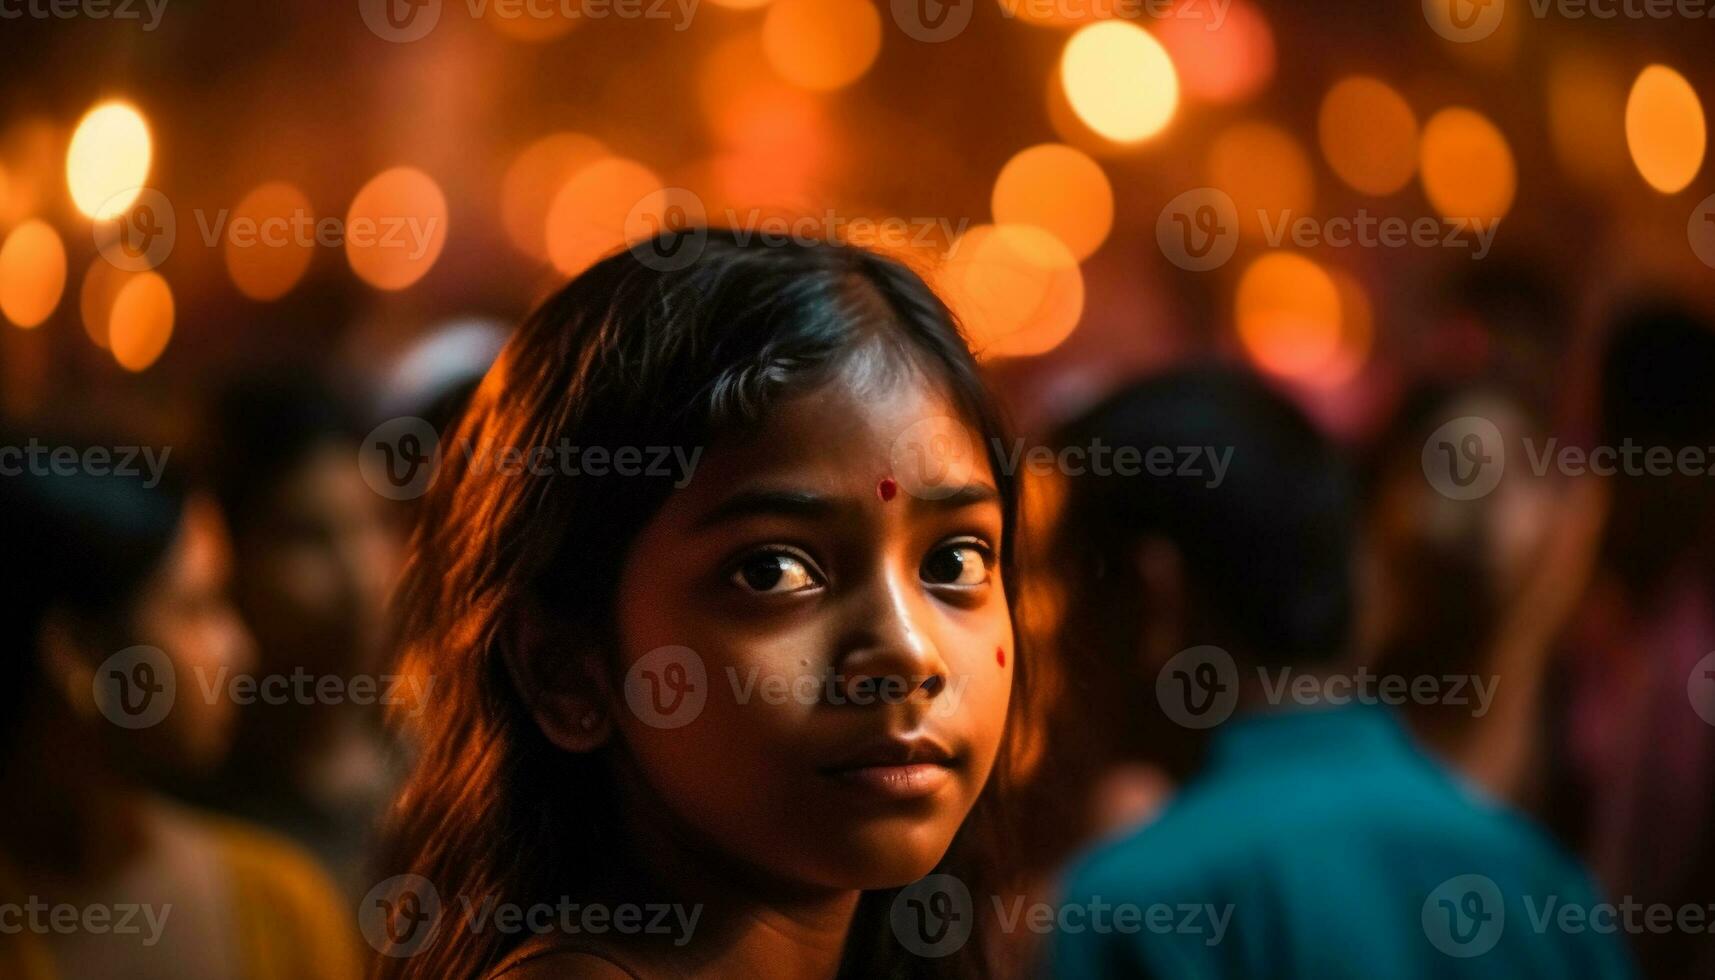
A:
x,y
908,781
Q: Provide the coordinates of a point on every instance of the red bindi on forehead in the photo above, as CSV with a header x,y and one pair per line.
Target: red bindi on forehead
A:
x,y
886,489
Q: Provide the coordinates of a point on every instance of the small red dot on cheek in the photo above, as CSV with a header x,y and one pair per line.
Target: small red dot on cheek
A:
x,y
1000,656
886,489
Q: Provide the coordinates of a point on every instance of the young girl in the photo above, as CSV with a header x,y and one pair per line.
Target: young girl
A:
x,y
713,588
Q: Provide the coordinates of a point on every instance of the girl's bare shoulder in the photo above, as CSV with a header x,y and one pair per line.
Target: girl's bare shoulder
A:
x,y
547,960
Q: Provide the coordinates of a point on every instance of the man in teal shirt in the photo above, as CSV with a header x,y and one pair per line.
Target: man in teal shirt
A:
x,y
1313,839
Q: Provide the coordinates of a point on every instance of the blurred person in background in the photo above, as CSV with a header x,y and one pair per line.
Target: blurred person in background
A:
x,y
118,618
1314,834
1473,574
315,556
1635,758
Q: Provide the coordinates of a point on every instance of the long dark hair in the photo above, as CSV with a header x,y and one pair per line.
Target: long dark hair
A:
x,y
629,353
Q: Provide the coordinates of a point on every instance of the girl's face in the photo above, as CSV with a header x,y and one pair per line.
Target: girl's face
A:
x,y
844,649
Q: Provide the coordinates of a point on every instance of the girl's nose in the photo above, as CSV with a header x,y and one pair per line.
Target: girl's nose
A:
x,y
891,657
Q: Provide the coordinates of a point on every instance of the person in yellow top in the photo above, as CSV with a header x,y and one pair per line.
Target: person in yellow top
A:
x,y
118,643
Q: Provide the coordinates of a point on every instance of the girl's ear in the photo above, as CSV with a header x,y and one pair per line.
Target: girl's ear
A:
x,y
558,673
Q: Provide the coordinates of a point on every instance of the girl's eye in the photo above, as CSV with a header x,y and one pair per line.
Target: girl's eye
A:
x,y
963,563
776,573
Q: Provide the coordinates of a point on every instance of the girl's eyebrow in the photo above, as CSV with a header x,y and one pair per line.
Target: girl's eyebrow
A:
x,y
805,504
752,503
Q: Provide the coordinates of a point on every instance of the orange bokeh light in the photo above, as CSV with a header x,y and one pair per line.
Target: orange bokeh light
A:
x,y
1119,81
589,217
1016,289
1056,187
1357,332
1466,166
141,323
32,273
1263,169
270,240
1368,135
1665,129
108,159
531,182
1288,314
821,45
101,285
1221,64
396,228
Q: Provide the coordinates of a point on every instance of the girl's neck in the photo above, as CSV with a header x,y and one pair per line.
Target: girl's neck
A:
x,y
745,924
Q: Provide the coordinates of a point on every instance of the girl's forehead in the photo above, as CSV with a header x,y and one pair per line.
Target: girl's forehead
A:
x,y
848,434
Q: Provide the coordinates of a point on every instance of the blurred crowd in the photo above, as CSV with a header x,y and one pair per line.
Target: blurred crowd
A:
x,y
1573,605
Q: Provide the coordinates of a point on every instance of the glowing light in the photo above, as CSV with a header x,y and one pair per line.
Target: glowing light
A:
x,y
32,273
108,159
534,178
1288,311
1368,135
1056,187
1016,289
741,4
396,228
141,322
821,45
1119,81
1357,332
1039,14
1466,166
1587,117
1665,128
101,285
1221,64
529,22
1263,169
270,241
588,218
